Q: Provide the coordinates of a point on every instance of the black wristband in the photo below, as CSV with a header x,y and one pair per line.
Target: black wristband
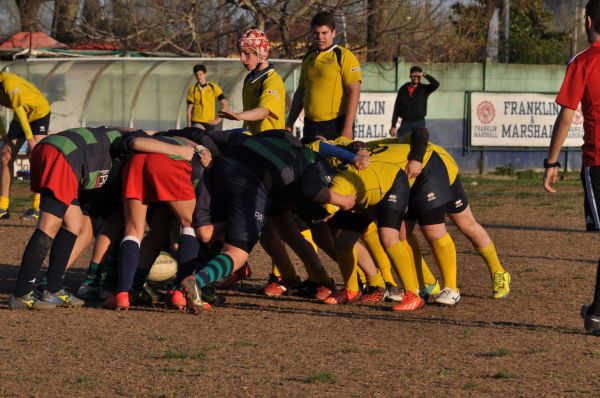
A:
x,y
551,165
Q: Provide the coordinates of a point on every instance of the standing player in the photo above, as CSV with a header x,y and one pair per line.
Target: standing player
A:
x,y
201,100
582,84
263,94
32,117
329,87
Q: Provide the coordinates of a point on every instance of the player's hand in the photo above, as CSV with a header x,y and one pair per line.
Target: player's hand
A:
x,y
413,169
550,178
288,129
205,157
187,152
361,161
229,115
346,202
393,131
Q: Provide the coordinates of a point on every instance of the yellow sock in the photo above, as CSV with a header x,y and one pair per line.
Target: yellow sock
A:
x,y
4,202
285,271
361,275
373,244
308,236
376,280
444,252
424,275
35,204
348,262
491,258
404,265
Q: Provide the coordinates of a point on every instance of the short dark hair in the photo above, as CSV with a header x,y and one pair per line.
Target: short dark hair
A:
x,y
416,69
323,18
592,10
199,67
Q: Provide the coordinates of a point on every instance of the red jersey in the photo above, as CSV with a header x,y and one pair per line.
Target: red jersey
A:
x,y
582,84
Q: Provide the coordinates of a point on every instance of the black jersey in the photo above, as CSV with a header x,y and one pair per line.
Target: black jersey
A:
x,y
95,154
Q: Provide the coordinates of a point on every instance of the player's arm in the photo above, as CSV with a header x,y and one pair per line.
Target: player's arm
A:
x,y
418,146
22,118
559,134
353,90
395,115
190,108
151,145
295,108
251,115
330,197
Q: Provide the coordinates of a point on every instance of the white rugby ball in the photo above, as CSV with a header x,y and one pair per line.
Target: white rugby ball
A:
x,y
164,268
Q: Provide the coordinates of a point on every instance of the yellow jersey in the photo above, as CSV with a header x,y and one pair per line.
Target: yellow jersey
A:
x,y
387,159
204,99
17,92
323,77
265,89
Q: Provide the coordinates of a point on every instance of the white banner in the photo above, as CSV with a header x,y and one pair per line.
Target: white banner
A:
x,y
373,117
518,120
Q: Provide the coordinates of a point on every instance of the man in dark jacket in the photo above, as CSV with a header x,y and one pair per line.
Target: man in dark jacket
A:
x,y
411,102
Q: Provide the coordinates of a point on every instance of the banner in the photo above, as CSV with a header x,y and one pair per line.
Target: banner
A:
x,y
518,120
373,117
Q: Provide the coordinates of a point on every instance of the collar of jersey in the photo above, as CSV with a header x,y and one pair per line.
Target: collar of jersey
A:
x,y
329,49
255,75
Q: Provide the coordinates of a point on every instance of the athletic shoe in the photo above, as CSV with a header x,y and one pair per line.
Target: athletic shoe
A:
x,y
591,323
5,215
306,289
501,284
279,286
28,302
243,273
373,294
343,296
448,296
87,292
104,293
176,299
410,302
193,296
62,298
118,301
393,293
325,289
430,290
31,215
147,296
210,296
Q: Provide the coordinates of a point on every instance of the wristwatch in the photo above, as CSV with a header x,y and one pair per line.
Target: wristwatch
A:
x,y
551,165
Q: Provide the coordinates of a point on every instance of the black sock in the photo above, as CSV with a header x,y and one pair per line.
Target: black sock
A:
x,y
186,257
141,274
35,252
59,258
595,307
129,256
214,270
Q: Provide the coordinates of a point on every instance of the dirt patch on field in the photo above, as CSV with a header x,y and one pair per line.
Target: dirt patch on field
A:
x,y
530,344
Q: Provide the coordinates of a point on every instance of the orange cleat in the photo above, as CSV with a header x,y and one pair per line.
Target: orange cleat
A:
x,y
343,296
117,301
410,302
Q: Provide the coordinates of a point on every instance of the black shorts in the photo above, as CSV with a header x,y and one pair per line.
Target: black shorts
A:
x,y
49,204
590,179
207,126
208,210
330,129
390,210
459,200
349,221
102,202
245,201
431,189
427,217
38,127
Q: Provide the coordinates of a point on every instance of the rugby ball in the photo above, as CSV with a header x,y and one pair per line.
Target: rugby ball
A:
x,y
163,269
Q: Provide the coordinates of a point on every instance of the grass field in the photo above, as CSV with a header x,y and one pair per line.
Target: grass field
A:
x,y
530,344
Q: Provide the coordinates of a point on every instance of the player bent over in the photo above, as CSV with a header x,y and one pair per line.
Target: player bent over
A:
x,y
63,165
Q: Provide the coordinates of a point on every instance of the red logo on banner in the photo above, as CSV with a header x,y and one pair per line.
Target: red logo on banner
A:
x,y
486,112
578,117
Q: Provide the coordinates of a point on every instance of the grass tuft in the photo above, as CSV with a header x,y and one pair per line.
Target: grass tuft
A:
x,y
321,377
500,352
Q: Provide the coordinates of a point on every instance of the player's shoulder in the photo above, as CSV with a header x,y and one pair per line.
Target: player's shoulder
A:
x,y
584,56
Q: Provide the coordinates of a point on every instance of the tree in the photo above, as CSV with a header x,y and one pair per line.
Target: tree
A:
x,y
28,11
64,20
